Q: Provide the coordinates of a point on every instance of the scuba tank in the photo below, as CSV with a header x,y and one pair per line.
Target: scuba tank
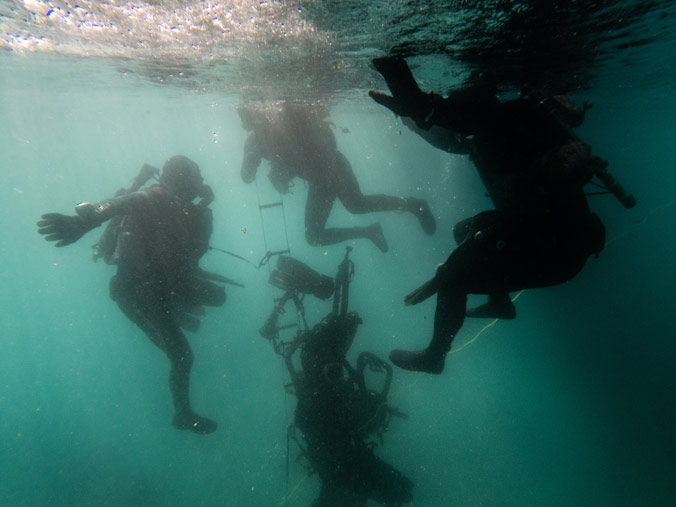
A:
x,y
106,247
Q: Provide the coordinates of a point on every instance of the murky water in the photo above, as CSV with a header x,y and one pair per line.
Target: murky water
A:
x,y
572,403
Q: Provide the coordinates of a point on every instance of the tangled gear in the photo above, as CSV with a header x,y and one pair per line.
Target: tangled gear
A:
x,y
358,394
371,404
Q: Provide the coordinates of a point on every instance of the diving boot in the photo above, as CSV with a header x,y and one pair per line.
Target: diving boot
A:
x,y
195,423
419,360
422,212
374,232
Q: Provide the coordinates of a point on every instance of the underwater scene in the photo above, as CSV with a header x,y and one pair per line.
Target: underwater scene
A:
x,y
337,253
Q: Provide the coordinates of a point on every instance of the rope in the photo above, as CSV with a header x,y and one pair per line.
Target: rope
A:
x,y
288,452
232,254
476,336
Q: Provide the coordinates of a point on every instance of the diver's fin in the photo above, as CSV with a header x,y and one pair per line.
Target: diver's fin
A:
x,y
421,209
426,290
398,76
407,99
376,234
292,274
389,102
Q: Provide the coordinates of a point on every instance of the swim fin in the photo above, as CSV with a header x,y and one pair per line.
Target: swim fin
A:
x,y
398,76
421,209
407,98
426,290
292,274
390,103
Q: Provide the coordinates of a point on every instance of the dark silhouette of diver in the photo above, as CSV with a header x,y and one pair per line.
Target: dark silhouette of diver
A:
x,y
157,241
298,142
337,412
534,168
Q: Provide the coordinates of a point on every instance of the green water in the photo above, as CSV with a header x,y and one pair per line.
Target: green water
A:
x,y
573,403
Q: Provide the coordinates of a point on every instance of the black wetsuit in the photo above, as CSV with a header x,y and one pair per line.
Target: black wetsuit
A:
x,y
297,143
158,282
542,230
534,168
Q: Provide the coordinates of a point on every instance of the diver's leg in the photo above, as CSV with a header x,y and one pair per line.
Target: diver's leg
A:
x,y
448,319
467,228
175,345
357,203
158,324
317,208
499,306
451,283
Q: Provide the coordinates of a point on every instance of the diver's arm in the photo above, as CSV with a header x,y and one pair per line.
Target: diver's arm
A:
x,y
146,172
252,159
106,209
65,229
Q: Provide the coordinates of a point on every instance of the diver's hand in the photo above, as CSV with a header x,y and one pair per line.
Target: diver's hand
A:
x,y
147,171
65,229
207,195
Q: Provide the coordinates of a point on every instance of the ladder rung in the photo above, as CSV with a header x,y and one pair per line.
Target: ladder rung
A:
x,y
271,205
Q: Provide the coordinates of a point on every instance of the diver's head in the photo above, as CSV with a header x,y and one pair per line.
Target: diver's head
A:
x,y
182,177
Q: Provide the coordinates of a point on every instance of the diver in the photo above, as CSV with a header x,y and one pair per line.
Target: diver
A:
x,y
340,417
298,142
534,168
156,244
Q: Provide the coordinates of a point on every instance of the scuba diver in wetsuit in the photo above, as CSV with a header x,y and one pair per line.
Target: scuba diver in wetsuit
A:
x,y
156,244
534,168
337,412
298,142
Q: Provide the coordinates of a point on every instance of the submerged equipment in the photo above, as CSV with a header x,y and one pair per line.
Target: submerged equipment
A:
x,y
105,247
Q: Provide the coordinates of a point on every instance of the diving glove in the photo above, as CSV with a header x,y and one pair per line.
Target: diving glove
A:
x,y
66,229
